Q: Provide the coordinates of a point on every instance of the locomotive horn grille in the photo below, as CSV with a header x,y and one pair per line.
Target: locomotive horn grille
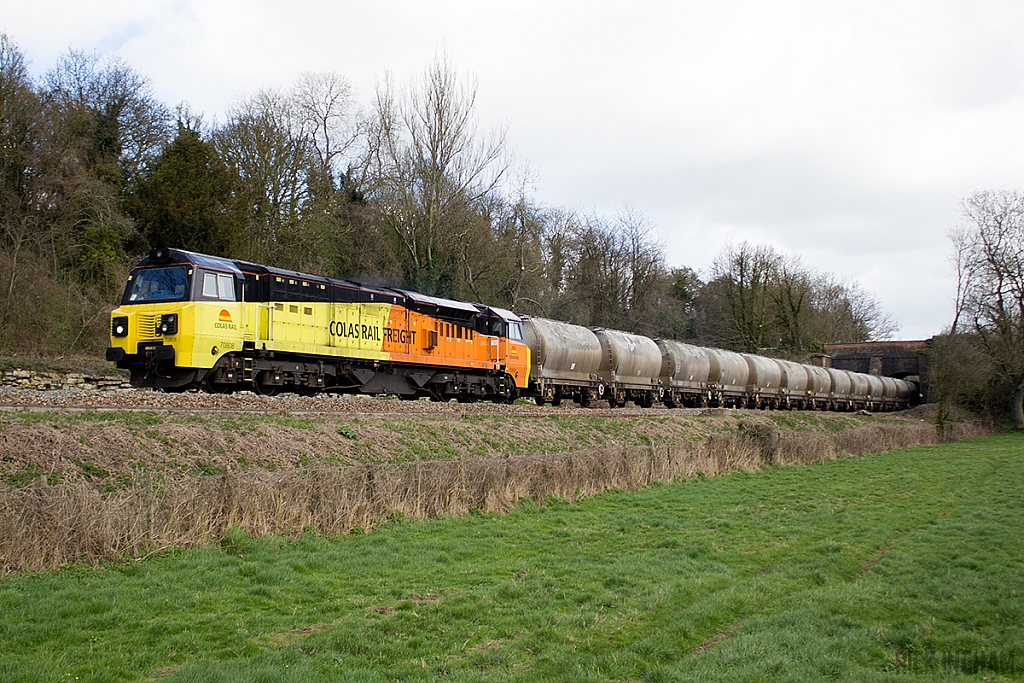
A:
x,y
148,326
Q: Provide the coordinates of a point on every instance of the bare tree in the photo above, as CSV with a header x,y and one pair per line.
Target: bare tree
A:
x,y
606,272
125,122
958,373
266,145
843,311
594,274
757,299
19,123
989,252
746,273
791,295
430,171
324,102
646,271
502,260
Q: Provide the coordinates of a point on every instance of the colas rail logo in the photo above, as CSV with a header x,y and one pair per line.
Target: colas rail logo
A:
x,y
224,321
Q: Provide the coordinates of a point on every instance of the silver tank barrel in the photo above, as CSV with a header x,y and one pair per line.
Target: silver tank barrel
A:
x,y
820,381
560,351
795,377
683,365
765,375
842,383
628,358
733,370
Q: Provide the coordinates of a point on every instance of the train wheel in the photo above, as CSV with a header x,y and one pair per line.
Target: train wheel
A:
x,y
540,401
265,389
217,388
308,392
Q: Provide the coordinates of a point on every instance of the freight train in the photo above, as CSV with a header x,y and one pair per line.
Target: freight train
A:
x,y
192,321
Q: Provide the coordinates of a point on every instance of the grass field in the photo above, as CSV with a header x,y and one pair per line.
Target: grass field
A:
x,y
902,566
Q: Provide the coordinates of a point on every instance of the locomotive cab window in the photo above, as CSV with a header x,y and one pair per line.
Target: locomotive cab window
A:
x,y
156,284
220,286
515,331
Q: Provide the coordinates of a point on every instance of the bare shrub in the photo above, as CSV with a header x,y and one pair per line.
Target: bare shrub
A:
x,y
50,526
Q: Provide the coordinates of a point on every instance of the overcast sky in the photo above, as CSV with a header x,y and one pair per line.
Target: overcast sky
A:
x,y
842,132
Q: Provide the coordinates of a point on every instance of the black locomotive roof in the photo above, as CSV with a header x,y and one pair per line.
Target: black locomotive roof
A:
x,y
439,302
507,316
341,290
163,257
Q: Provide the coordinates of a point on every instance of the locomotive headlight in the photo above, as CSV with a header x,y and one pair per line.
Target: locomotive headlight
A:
x,y
119,326
169,324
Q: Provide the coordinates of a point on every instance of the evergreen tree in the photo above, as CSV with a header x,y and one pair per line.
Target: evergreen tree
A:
x,y
184,199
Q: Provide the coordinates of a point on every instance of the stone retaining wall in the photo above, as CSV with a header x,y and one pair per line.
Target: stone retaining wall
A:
x,y
48,381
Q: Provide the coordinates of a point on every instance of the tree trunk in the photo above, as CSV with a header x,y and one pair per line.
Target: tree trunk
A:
x,y
1018,408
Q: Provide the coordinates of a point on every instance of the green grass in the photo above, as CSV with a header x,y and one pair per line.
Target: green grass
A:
x,y
902,566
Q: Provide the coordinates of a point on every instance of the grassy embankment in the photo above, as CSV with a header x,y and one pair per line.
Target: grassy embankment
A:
x,y
101,486
114,447
907,565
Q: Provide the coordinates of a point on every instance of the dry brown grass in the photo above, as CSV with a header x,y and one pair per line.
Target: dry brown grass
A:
x,y
45,526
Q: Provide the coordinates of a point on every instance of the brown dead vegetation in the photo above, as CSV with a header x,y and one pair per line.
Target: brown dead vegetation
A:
x,y
48,526
123,444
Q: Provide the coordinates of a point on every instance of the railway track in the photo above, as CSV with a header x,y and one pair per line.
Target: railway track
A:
x,y
85,401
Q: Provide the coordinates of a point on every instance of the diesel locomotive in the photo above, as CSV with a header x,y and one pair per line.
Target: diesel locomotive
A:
x,y
192,321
